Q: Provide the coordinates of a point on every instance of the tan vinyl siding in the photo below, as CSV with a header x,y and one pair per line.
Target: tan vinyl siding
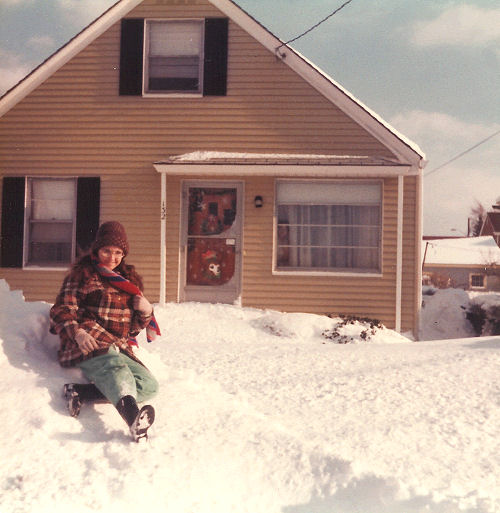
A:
x,y
76,124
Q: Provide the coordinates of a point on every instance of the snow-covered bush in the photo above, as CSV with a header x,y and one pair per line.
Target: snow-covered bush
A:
x,y
366,329
484,314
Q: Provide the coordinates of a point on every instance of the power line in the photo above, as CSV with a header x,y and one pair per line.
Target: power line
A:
x,y
314,26
456,157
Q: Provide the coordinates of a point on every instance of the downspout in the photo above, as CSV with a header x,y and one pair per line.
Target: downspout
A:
x,y
399,254
419,238
163,240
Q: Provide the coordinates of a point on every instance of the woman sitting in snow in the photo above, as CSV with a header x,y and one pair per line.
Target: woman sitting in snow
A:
x,y
97,314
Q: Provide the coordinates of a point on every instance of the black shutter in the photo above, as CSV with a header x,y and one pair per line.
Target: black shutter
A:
x,y
215,69
12,221
131,48
87,212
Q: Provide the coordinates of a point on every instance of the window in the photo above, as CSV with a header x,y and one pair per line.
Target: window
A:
x,y
47,221
174,60
329,226
477,281
172,57
50,221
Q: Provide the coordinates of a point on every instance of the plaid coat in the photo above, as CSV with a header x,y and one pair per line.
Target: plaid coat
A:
x,y
87,301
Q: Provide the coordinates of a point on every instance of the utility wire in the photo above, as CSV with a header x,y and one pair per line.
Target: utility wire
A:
x,y
314,26
456,157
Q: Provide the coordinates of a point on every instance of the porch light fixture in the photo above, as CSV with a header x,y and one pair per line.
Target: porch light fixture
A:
x,y
258,201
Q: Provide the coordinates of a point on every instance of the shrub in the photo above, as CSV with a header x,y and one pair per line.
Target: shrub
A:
x,y
485,319
369,328
477,317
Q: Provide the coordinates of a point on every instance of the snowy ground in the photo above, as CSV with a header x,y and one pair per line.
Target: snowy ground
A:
x,y
258,413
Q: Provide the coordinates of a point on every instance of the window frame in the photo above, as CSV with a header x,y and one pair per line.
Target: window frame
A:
x,y
146,92
483,279
28,223
311,271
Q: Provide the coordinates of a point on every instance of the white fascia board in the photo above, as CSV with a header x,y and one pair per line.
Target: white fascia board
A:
x,y
65,53
311,171
406,151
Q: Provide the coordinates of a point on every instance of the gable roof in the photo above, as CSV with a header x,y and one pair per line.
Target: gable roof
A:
x,y
491,224
405,150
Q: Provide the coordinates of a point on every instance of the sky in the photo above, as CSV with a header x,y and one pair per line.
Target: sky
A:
x,y
429,68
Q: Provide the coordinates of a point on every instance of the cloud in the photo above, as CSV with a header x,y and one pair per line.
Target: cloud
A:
x,y
459,25
442,134
16,2
46,43
78,10
12,70
450,192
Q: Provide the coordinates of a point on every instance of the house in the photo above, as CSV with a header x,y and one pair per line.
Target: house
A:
x,y
469,263
241,172
491,224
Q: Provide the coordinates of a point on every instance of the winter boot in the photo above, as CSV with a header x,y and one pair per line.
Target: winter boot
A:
x,y
78,393
137,420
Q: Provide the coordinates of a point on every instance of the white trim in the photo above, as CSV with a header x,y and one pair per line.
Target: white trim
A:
x,y
38,268
28,221
418,248
399,254
350,274
284,170
163,240
145,60
334,271
403,148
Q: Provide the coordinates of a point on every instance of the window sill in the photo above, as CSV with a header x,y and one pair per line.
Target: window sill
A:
x,y
172,95
356,274
46,268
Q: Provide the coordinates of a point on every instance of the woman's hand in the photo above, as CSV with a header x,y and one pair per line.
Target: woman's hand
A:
x,y
142,305
85,342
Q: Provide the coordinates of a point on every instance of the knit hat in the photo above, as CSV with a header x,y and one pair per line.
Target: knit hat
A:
x,y
111,233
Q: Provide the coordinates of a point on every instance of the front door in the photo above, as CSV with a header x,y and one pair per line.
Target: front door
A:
x,y
211,242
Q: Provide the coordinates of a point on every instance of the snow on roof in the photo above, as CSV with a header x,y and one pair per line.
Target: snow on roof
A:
x,y
461,251
218,157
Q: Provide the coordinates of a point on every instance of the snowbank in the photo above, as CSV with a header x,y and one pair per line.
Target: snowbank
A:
x,y
258,412
446,313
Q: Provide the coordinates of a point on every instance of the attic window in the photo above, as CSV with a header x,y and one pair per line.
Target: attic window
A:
x,y
174,57
170,57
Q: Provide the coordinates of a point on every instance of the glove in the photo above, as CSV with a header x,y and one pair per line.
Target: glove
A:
x,y
85,342
142,305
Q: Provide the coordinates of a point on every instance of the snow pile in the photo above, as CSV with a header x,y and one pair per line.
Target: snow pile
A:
x,y
258,412
455,313
444,314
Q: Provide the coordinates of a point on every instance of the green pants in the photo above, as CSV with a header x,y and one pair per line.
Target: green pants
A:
x,y
116,375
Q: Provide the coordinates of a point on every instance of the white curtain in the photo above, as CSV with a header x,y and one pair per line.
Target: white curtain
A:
x,y
174,39
335,235
52,199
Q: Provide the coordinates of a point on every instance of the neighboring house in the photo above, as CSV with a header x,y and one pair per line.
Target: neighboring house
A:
x,y
491,224
469,263
242,173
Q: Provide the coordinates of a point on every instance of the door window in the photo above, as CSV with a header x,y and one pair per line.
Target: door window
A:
x,y
211,251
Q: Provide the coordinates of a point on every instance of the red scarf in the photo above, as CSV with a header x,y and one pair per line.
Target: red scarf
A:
x,y
121,283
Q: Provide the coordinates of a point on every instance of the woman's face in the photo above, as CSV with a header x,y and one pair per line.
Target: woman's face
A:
x,y
110,256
